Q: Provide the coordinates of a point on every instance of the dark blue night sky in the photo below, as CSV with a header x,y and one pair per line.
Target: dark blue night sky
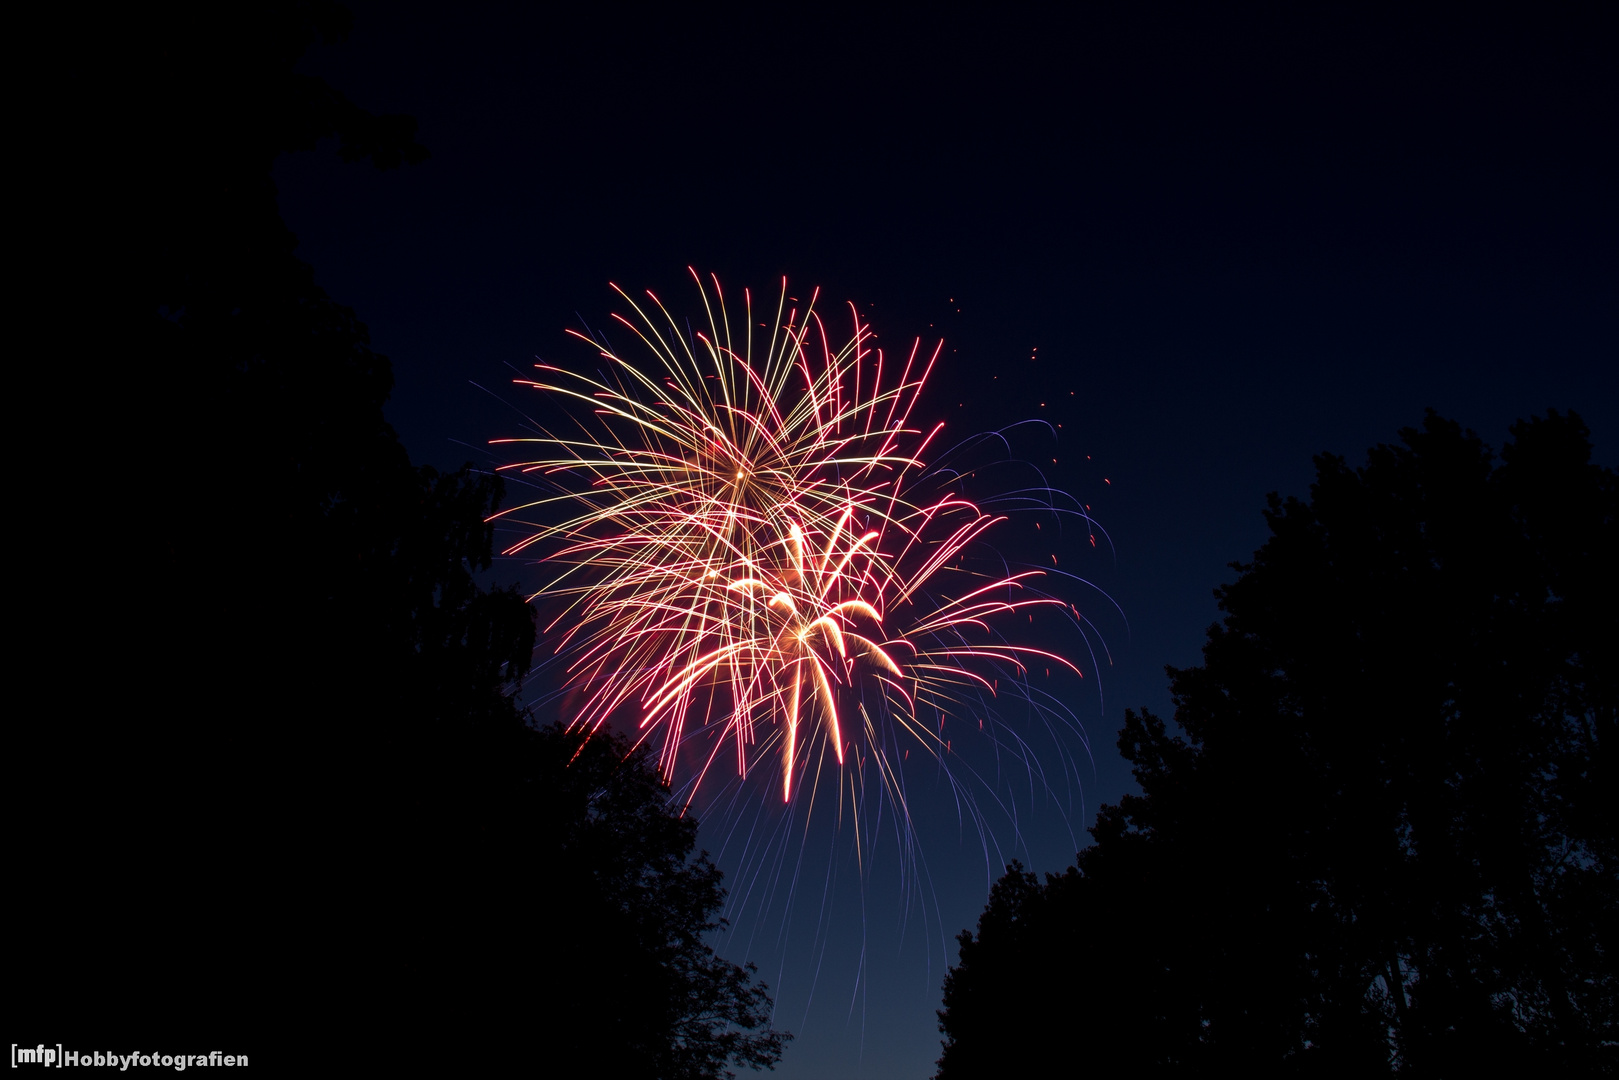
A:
x,y
1212,246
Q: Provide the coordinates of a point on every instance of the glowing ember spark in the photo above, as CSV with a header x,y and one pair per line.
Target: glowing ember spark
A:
x,y
743,559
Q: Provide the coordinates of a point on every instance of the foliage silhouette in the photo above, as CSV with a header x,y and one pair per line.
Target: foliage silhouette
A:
x,y
644,995
1383,840
278,805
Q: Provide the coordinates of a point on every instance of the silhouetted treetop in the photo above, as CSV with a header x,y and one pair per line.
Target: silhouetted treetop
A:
x,y
1382,839
642,993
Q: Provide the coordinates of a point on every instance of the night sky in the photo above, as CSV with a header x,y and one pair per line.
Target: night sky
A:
x,y
1208,246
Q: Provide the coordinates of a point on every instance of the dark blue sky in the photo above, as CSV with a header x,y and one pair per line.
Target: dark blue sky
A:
x,y
1230,243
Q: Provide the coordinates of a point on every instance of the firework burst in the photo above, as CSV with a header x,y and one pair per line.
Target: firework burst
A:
x,y
750,559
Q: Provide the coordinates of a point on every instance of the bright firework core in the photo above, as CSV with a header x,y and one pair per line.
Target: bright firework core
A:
x,y
756,562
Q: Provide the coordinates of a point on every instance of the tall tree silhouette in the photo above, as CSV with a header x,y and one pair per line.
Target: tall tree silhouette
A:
x,y
1383,839
278,805
294,604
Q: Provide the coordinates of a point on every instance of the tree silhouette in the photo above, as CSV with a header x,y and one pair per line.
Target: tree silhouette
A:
x,y
276,807
1383,838
586,855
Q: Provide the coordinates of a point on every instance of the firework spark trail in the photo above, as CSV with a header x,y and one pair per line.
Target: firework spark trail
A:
x,y
744,560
